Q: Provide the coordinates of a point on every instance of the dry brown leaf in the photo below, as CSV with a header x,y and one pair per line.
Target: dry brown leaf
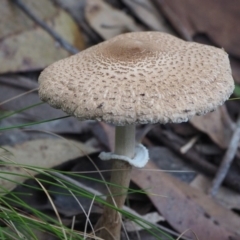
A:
x,y
187,208
76,9
44,153
213,20
147,13
225,196
24,45
107,21
217,125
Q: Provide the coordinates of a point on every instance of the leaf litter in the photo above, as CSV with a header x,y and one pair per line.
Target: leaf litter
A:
x,y
23,44
182,206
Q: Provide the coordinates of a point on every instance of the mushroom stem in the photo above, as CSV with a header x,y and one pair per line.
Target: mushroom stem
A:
x,y
125,140
111,220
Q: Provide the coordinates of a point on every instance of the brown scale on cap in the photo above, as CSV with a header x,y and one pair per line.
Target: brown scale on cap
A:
x,y
140,77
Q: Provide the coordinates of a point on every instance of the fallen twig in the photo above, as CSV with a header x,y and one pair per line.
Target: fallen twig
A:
x,y
76,10
63,43
189,144
227,160
175,143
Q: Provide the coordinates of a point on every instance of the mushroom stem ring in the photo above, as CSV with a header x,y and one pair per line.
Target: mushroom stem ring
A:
x,y
139,160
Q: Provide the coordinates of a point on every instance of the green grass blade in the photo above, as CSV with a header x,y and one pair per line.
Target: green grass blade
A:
x,y
20,110
32,123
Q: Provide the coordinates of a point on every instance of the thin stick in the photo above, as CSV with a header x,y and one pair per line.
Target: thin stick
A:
x,y
189,144
18,96
227,160
174,142
63,43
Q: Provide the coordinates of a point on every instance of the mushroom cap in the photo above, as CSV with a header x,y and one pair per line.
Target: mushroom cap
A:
x,y
139,77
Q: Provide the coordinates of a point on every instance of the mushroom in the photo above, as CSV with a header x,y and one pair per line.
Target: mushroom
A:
x,y
137,78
